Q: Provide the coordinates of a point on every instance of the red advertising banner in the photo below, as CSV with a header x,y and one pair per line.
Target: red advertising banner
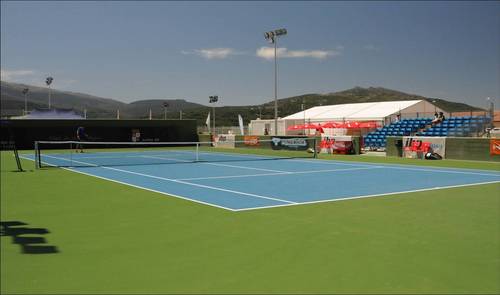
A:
x,y
251,140
495,147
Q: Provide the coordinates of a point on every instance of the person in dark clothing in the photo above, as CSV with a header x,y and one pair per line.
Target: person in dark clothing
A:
x,y
80,136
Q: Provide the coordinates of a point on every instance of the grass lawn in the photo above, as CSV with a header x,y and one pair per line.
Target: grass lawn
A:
x,y
114,238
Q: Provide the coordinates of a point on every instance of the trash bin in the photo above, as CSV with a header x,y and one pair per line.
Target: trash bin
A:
x,y
399,147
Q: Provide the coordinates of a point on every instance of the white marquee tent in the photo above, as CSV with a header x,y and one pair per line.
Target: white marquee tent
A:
x,y
383,112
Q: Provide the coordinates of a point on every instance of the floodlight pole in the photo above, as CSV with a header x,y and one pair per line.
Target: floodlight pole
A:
x,y
275,89
213,99
491,111
50,94
304,113
48,81
165,106
272,37
25,92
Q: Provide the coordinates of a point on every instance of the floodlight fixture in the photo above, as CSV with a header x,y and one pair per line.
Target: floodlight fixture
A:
x,y
213,98
280,32
271,36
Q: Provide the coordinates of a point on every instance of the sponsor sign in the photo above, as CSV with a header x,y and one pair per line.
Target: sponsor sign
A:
x,y
336,144
251,140
290,143
224,141
495,147
437,145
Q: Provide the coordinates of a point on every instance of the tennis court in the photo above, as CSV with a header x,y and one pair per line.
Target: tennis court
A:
x,y
239,182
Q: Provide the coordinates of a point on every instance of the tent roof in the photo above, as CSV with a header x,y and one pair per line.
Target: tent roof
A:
x,y
354,111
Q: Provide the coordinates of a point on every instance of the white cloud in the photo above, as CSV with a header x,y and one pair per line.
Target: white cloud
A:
x,y
15,75
268,53
213,53
371,47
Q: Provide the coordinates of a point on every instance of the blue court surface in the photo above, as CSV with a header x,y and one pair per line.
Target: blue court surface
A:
x,y
246,182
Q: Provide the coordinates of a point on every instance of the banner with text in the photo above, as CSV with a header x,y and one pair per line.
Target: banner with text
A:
x,y
437,144
251,140
495,147
290,143
224,141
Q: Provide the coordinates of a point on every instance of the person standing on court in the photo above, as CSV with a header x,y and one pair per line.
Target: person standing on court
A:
x,y
80,136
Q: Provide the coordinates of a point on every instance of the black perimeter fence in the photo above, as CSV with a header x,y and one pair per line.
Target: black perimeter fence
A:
x,y
25,132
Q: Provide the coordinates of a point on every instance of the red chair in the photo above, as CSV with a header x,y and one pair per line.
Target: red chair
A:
x,y
426,147
415,145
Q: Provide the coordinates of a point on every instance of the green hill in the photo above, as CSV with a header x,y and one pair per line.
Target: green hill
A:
x,y
12,103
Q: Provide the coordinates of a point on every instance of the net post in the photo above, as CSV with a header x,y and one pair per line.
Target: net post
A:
x,y
37,156
71,153
315,148
197,151
18,161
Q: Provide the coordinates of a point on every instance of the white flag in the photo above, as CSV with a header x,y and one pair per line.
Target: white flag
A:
x,y
207,122
240,119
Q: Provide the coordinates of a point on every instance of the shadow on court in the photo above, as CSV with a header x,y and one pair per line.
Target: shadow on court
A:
x,y
28,238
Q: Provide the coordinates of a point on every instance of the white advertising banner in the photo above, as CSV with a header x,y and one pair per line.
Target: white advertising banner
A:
x,y
437,145
224,141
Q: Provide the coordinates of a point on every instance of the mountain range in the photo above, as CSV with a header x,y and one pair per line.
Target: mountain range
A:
x,y
12,103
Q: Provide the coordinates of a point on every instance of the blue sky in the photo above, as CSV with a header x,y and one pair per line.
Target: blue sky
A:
x,y
149,50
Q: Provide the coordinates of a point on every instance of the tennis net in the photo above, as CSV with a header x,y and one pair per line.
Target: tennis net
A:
x,y
94,154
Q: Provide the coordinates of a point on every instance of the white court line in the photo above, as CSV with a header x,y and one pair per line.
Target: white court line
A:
x,y
291,159
283,173
443,171
136,186
180,181
412,168
363,164
250,168
369,196
409,166
163,158
111,157
222,165
311,202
